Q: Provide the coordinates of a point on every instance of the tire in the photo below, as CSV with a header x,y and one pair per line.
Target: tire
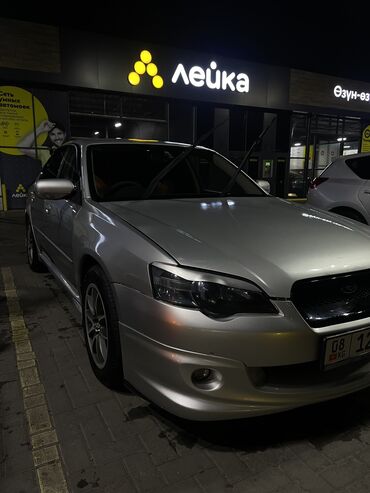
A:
x,y
32,253
101,329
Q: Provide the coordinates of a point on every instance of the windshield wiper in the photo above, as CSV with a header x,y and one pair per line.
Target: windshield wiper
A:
x,y
175,161
231,183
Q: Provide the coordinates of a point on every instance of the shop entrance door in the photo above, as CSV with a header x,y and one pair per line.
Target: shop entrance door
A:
x,y
280,176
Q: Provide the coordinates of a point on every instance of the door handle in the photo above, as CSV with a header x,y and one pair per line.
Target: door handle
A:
x,y
366,191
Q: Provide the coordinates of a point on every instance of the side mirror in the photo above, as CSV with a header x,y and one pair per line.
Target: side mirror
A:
x,y
54,189
264,184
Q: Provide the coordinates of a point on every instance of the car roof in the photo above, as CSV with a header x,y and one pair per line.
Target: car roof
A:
x,y
352,156
85,141
339,169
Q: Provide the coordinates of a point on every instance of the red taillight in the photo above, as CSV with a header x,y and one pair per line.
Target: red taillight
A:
x,y
317,181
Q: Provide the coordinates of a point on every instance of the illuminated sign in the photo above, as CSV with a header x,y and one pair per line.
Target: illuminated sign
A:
x,y
211,77
350,94
196,76
142,66
20,113
365,142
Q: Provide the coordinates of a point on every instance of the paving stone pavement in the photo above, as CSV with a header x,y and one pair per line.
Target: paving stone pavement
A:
x,y
114,441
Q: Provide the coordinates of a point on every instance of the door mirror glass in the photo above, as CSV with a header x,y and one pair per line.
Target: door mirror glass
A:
x,y
54,189
264,184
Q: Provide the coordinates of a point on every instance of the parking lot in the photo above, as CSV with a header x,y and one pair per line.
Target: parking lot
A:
x,y
61,430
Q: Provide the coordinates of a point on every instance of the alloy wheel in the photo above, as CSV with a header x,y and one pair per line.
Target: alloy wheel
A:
x,y
96,325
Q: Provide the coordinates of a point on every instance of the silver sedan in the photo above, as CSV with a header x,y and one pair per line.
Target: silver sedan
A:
x,y
209,296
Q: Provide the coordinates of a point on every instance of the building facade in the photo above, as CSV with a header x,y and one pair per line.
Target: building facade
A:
x,y
61,83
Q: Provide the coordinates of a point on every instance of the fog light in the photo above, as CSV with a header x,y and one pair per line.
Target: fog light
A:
x,y
206,378
202,375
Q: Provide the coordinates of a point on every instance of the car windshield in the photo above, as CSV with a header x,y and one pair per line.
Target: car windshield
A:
x,y
125,171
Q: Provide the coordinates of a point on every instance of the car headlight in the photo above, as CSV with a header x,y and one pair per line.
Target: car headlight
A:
x,y
210,294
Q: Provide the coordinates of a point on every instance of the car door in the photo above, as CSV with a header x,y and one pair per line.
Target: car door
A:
x,y
364,195
67,210
360,190
43,212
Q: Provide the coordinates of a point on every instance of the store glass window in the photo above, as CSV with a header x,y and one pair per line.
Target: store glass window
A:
x,y
316,141
334,136
139,107
117,117
296,182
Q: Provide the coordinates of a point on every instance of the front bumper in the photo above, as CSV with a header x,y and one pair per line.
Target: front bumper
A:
x,y
264,364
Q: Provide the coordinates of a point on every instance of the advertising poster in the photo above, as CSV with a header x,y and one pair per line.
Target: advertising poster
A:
x,y
365,141
33,123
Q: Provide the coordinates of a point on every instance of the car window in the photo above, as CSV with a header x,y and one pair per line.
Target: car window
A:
x,y
125,171
360,166
51,168
69,170
212,172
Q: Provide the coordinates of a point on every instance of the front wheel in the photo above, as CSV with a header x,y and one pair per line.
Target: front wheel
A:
x,y
100,321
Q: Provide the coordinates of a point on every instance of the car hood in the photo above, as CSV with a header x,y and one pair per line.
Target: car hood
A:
x,y
267,240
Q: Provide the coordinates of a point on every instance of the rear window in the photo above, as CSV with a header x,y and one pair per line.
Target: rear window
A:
x,y
360,166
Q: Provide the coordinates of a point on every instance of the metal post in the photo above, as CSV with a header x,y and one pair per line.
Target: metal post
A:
x,y
5,199
307,153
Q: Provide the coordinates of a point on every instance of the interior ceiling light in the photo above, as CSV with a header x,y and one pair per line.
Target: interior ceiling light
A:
x,y
297,144
96,132
341,139
118,124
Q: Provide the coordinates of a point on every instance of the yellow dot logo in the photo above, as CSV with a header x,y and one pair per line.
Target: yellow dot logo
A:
x,y
134,78
157,82
139,68
146,56
20,189
152,69
145,65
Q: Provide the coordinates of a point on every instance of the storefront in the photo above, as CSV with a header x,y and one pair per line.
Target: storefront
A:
x,y
94,86
330,120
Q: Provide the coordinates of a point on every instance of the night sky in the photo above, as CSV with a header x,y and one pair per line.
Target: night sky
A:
x,y
328,37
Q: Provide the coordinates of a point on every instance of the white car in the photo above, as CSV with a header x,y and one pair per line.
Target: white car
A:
x,y
344,188
200,290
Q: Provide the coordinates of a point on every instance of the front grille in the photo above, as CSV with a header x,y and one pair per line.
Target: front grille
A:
x,y
333,299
